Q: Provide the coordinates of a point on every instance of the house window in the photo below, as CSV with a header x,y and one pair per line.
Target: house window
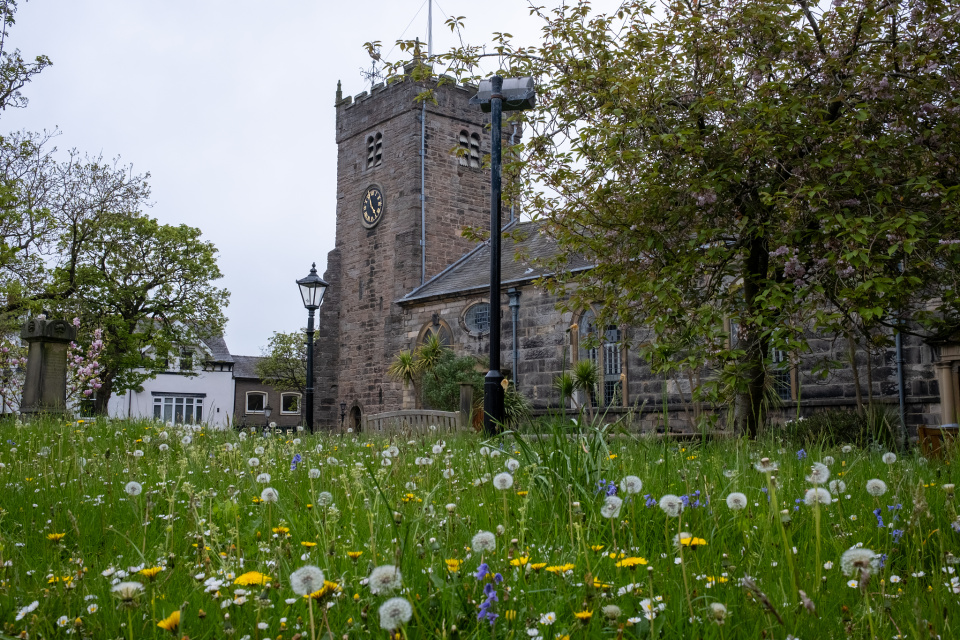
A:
x,y
290,403
605,353
186,360
374,150
476,318
178,409
256,401
780,374
470,150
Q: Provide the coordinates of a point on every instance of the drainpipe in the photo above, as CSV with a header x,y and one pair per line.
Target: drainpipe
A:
x,y
513,134
514,295
423,196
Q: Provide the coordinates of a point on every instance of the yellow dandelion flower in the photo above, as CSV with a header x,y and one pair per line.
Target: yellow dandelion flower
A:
x,y
56,537
600,585
453,565
56,579
563,568
354,555
583,616
519,562
281,530
630,563
251,578
151,572
522,493
257,500
597,547
327,589
308,544
171,622
693,542
536,566
613,456
716,579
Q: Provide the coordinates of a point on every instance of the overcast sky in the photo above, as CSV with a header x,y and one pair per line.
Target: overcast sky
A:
x,y
229,106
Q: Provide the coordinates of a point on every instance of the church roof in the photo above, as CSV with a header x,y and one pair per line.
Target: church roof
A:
x,y
246,367
471,273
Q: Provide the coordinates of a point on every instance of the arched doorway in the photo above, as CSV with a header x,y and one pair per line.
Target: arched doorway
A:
x,y
356,419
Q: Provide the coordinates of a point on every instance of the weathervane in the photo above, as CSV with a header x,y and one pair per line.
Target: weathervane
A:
x,y
374,73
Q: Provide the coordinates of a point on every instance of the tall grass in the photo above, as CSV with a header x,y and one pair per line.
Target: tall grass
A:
x,y
198,526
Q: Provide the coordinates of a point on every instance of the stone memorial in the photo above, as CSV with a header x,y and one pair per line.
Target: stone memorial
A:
x,y
45,386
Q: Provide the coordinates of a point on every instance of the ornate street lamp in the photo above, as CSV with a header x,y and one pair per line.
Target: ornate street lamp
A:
x,y
495,96
312,289
267,410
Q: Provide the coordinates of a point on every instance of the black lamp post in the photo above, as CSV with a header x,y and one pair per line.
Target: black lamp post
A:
x,y
343,413
312,289
495,96
267,410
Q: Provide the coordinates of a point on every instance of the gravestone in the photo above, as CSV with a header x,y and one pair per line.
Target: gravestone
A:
x,y
45,387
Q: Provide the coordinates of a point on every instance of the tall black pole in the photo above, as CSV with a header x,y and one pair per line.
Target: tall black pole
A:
x,y
492,384
309,388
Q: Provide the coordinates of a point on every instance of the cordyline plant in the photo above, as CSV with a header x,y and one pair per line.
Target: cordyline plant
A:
x,y
788,166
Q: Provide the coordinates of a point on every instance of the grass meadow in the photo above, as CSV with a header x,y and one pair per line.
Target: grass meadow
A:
x,y
144,530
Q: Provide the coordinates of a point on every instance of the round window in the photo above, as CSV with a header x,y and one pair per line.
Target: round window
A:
x,y
477,318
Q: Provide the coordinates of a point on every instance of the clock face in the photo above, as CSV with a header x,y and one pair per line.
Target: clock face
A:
x,y
372,207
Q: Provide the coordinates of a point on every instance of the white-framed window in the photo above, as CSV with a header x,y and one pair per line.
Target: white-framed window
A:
x,y
186,360
374,150
290,403
256,401
179,409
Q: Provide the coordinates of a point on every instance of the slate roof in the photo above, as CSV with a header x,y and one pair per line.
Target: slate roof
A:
x,y
246,367
472,272
218,349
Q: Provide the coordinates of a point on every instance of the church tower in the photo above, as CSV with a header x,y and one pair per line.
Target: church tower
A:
x,y
410,176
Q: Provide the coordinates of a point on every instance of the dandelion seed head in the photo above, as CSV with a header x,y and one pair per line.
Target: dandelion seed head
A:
x,y
512,465
611,507
306,580
858,559
819,473
384,579
671,505
325,499
737,501
133,488
484,541
889,457
395,612
876,487
631,485
817,495
269,495
503,481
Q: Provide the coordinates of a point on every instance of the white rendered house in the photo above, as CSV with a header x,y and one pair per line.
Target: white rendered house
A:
x,y
173,396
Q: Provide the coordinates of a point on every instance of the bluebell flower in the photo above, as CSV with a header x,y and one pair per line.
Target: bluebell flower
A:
x,y
650,500
876,512
897,534
801,454
482,571
293,463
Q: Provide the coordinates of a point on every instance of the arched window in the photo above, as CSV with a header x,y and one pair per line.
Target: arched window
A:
x,y
436,326
605,351
469,149
374,150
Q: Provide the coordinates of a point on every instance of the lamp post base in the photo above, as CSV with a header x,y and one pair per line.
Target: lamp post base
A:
x,y
493,414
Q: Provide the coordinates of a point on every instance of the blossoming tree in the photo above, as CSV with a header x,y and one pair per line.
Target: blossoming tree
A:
x,y
786,165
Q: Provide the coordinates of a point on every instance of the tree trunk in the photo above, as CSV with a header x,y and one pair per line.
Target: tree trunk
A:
x,y
103,394
755,271
856,373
